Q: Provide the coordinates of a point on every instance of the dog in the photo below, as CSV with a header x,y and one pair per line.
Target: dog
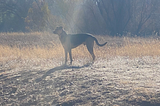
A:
x,y
70,41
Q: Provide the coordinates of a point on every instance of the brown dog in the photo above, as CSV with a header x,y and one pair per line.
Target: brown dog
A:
x,y
71,41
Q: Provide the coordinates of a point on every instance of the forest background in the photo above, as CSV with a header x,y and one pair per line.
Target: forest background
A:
x,y
99,17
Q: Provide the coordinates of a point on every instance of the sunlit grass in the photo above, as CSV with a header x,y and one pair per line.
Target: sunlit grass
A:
x,y
138,50
131,50
132,47
34,52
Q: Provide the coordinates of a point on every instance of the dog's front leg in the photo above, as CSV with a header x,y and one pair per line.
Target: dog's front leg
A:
x,y
66,52
70,55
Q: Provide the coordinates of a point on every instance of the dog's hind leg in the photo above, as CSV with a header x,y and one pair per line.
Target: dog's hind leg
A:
x,y
89,45
70,55
66,52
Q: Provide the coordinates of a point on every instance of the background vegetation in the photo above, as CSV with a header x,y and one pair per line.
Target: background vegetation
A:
x,y
112,17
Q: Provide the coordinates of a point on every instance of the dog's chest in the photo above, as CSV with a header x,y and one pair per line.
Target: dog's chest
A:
x,y
65,42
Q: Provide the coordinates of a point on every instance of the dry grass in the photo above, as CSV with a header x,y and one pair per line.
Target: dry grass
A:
x,y
27,53
132,47
139,50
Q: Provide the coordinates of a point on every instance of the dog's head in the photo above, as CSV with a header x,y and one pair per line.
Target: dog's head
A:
x,y
58,30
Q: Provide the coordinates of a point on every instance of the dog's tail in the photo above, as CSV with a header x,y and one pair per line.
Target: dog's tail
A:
x,y
98,42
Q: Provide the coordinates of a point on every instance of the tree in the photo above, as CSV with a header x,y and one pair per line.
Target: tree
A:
x,y
37,16
116,14
143,11
12,14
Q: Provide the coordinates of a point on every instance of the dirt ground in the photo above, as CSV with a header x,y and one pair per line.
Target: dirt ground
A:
x,y
112,81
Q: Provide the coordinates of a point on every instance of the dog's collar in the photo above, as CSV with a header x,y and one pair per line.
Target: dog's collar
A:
x,y
63,33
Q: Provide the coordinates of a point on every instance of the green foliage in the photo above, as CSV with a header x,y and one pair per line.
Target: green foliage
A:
x,y
12,14
37,17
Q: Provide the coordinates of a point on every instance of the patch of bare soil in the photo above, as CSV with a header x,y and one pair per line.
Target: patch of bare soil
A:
x,y
118,81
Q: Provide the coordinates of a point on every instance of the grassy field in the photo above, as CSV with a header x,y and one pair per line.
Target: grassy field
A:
x,y
125,72
46,45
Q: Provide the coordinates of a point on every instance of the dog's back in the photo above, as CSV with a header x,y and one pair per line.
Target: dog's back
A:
x,y
77,39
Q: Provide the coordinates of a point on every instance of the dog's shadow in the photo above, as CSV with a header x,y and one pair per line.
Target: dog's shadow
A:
x,y
62,67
